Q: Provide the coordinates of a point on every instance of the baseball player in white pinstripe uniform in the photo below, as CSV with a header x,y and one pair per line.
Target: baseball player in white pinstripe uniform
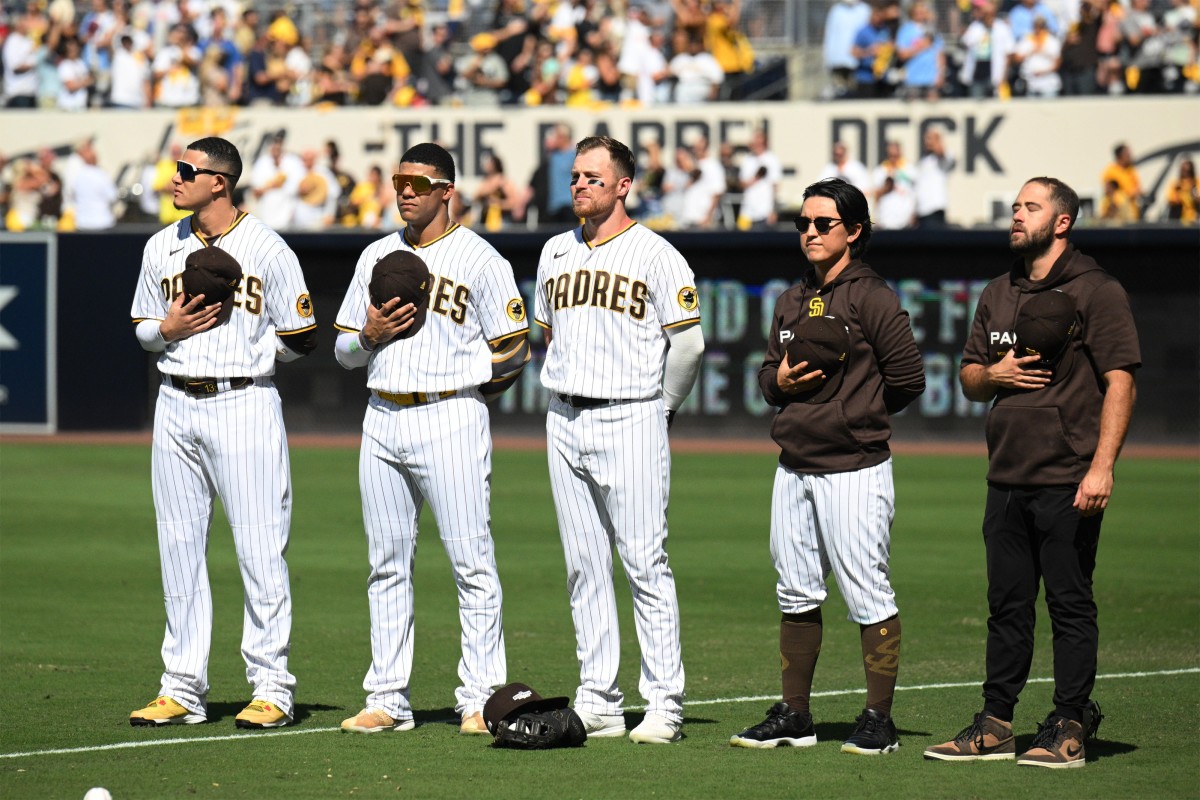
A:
x,y
218,428
619,306
426,436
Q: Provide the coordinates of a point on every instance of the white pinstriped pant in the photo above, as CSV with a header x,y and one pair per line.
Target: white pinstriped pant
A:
x,y
839,522
231,444
610,473
440,452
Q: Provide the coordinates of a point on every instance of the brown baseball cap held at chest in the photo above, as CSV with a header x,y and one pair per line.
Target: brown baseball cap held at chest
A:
x,y
824,342
1044,327
402,274
214,273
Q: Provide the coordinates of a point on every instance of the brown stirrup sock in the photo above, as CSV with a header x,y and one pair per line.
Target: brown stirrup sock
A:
x,y
799,646
881,660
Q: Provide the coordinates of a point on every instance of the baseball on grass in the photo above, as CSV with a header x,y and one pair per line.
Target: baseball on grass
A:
x,y
97,793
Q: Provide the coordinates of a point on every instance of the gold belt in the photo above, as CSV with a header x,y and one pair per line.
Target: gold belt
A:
x,y
413,398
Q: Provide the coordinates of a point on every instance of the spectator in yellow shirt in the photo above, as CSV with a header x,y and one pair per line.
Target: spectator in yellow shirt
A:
x,y
164,171
1123,173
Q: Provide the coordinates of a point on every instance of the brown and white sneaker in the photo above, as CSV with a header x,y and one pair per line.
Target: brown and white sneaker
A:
x,y
985,739
1057,745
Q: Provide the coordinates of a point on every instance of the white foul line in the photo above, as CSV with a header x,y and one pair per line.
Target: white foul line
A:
x,y
690,703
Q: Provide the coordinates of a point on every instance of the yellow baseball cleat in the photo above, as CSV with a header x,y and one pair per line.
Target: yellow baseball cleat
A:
x,y
473,725
372,720
164,711
262,714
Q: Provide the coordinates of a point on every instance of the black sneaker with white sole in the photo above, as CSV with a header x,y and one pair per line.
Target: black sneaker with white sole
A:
x,y
783,727
875,735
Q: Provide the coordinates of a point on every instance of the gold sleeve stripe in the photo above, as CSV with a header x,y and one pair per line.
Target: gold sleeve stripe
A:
x,y
346,330
495,343
687,323
541,324
139,320
297,330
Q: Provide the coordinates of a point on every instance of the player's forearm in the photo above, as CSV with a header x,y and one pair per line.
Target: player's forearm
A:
x,y
349,350
509,357
1115,414
683,364
149,335
975,383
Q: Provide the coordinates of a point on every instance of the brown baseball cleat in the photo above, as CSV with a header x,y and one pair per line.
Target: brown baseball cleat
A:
x,y
985,739
1057,745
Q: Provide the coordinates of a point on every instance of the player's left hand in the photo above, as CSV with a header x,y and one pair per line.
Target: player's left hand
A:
x,y
797,379
1094,490
385,324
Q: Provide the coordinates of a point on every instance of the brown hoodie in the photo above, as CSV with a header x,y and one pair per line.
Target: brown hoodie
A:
x,y
883,373
1048,436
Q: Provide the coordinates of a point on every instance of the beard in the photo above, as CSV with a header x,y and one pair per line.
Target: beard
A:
x,y
1036,241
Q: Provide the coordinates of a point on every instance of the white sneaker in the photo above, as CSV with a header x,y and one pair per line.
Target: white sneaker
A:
x,y
602,726
656,730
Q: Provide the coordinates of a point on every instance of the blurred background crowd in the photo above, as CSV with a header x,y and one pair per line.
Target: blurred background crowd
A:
x,y
579,53
74,55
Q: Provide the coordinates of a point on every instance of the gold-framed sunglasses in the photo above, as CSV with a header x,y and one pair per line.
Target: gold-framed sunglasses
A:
x,y
421,184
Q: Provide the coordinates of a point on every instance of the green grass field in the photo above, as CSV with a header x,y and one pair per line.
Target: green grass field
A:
x,y
81,622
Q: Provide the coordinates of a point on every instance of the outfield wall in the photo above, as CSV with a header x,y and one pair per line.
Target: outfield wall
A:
x,y
106,382
997,144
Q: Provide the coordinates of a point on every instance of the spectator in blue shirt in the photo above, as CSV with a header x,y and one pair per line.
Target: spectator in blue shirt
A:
x,y
1022,15
920,49
875,49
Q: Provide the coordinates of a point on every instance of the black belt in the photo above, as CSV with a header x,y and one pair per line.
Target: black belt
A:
x,y
575,401
202,387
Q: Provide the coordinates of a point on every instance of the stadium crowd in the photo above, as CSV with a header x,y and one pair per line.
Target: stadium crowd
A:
x,y
577,53
580,53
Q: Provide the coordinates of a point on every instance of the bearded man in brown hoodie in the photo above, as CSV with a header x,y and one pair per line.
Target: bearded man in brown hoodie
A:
x,y
1054,347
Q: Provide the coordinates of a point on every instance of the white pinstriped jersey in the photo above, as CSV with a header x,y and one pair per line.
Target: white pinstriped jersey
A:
x,y
473,300
271,298
607,305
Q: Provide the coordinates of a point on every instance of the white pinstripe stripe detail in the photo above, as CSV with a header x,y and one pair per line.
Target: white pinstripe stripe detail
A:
x,y
713,702
438,453
838,522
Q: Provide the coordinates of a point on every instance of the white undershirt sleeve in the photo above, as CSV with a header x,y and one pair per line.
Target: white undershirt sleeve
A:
x,y
149,334
349,352
683,364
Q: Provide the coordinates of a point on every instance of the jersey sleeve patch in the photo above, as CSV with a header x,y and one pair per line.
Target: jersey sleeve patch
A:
x,y
304,306
516,310
688,299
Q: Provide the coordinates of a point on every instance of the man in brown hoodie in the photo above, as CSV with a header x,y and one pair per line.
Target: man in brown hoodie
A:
x,y
1059,415
833,499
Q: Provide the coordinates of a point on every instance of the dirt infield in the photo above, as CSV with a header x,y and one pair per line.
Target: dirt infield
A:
x,y
678,445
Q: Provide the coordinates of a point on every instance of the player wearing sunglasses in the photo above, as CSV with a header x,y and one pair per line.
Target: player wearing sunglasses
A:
x,y
218,431
426,435
833,500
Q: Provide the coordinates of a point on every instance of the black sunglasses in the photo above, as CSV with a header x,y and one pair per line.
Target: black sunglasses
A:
x,y
822,224
188,172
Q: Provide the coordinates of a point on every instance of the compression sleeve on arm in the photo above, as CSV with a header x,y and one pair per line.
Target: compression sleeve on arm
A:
x,y
149,334
349,351
683,364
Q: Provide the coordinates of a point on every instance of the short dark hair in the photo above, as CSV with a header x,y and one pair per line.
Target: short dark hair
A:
x,y
851,206
222,156
1064,198
619,152
433,155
